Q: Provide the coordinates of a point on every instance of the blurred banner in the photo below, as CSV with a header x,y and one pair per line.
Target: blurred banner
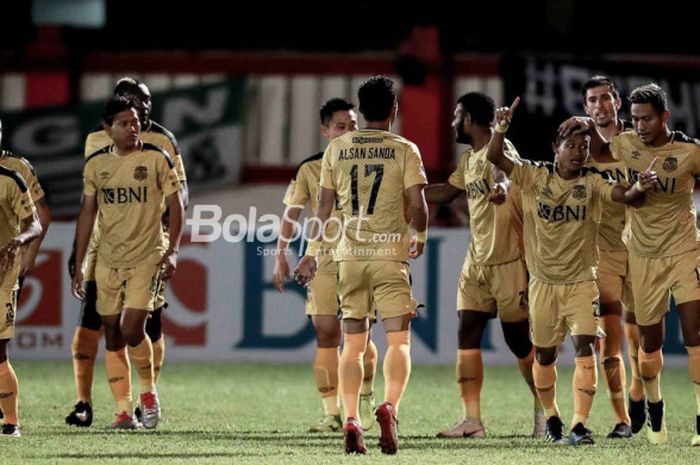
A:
x,y
207,122
550,90
223,306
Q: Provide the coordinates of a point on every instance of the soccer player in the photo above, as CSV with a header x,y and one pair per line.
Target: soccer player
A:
x,y
663,251
493,280
378,179
337,117
19,225
127,187
562,204
87,333
601,103
17,163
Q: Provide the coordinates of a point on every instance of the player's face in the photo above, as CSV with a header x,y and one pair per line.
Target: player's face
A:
x,y
572,152
125,128
649,125
341,122
458,125
602,106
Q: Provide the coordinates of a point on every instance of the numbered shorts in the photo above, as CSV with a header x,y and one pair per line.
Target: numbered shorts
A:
x,y
612,270
654,280
375,284
119,288
495,289
321,295
8,300
558,309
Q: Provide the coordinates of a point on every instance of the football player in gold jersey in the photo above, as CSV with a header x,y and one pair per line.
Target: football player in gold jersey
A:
x,y
378,179
19,225
127,187
562,204
493,280
338,116
663,248
87,333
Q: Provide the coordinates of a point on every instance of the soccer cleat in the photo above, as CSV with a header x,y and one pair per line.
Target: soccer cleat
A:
x,y
388,428
150,409
137,414
540,424
367,410
580,435
354,437
465,428
656,423
554,431
81,415
695,442
329,424
620,431
11,430
124,421
638,415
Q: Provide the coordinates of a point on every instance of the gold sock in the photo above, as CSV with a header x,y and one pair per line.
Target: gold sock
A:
x,y
584,384
9,393
119,378
326,373
84,350
636,391
525,367
397,366
370,363
158,357
650,369
470,378
545,377
350,372
142,355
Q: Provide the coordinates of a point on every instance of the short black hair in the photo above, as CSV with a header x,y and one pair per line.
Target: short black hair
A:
x,y
115,105
650,93
127,86
597,81
377,96
481,108
333,105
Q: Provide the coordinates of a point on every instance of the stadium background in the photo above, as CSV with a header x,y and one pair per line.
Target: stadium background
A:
x,y
241,92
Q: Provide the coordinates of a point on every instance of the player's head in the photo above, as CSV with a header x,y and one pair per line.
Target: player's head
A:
x,y
378,99
649,109
474,110
136,91
120,120
338,116
572,151
601,100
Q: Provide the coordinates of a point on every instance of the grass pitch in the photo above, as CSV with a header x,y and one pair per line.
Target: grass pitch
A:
x,y
251,413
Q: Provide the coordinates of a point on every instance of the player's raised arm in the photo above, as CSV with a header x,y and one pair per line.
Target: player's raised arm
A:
x,y
647,180
495,153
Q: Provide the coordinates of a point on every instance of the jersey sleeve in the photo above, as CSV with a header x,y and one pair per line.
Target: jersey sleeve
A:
x,y
298,192
89,180
414,172
22,204
523,174
167,177
457,176
326,173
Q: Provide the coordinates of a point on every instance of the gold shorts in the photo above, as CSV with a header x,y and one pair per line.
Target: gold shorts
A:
x,y
8,300
627,296
654,280
321,295
365,285
90,260
496,289
120,288
558,309
611,275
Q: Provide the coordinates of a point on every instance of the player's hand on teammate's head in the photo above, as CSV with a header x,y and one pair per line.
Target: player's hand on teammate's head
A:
x,y
498,194
280,274
575,125
77,288
504,115
305,270
417,249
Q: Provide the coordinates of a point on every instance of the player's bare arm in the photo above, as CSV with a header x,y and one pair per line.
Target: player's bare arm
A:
x,y
29,255
495,153
306,269
175,220
647,180
30,230
83,231
418,212
281,271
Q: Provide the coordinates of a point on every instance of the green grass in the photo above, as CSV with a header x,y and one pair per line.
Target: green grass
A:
x,y
245,413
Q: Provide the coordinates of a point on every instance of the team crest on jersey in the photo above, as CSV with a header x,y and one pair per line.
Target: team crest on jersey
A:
x,y
479,166
547,192
104,175
140,173
670,164
579,192
636,155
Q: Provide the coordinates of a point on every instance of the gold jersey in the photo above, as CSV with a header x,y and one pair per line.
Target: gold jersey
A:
x,y
494,236
561,219
15,205
612,220
370,170
16,163
665,224
131,192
